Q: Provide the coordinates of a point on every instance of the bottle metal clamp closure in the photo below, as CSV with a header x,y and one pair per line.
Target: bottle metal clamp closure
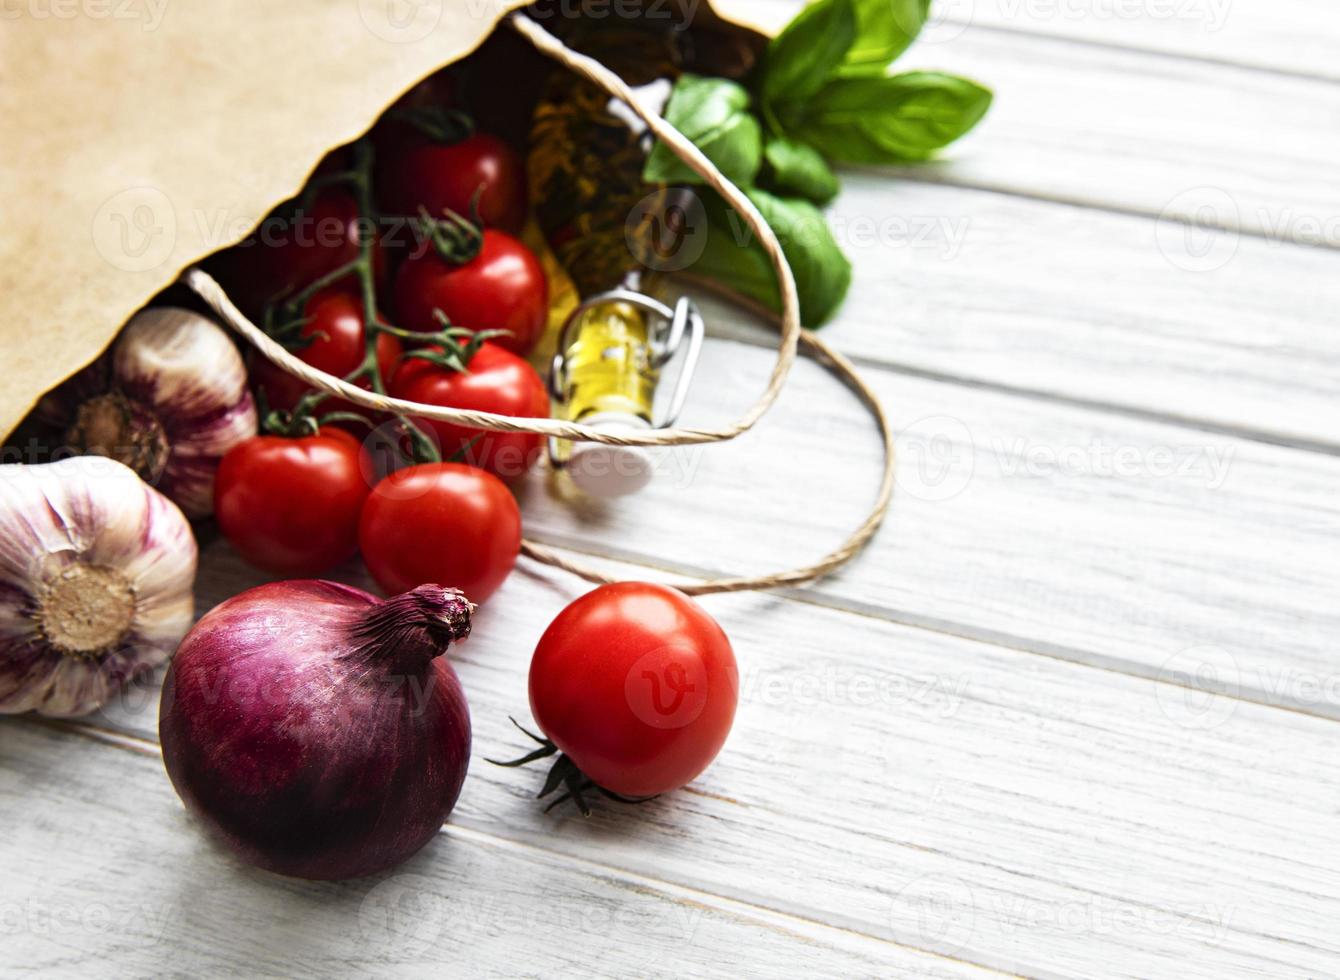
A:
x,y
612,471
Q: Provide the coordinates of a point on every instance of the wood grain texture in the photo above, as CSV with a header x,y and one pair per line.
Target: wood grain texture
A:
x,y
1296,37
1134,131
1084,305
1018,734
113,879
1129,544
1012,811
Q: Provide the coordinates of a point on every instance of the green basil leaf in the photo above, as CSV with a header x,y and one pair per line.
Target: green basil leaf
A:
x,y
714,113
799,60
884,29
890,119
797,168
732,255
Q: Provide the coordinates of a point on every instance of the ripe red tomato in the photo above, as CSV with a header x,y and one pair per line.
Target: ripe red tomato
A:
x,y
443,177
291,506
335,323
501,288
637,685
441,522
497,381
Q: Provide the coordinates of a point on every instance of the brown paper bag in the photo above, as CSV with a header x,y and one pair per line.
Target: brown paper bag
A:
x,y
144,135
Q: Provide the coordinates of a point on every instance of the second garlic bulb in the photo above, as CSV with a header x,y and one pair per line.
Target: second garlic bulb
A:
x,y
171,399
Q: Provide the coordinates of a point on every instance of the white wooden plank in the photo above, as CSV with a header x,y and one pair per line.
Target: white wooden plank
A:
x,y
1085,305
106,875
1008,810
1292,36
1081,534
1134,131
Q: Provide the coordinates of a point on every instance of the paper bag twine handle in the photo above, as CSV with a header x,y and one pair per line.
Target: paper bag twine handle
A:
x,y
792,337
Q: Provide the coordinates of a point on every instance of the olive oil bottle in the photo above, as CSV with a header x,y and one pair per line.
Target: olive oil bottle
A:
x,y
609,369
587,152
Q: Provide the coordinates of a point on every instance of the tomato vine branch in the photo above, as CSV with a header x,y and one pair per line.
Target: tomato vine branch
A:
x,y
363,268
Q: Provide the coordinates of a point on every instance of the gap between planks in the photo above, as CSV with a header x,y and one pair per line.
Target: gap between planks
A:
x,y
787,921
1000,892
921,175
1019,644
958,170
753,338
774,13
1212,61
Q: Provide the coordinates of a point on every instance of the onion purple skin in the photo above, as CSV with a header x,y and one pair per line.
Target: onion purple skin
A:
x,y
315,728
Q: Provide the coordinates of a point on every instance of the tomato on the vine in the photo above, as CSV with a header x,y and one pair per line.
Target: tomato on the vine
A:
x,y
292,505
447,523
479,175
295,247
494,380
500,288
637,686
333,340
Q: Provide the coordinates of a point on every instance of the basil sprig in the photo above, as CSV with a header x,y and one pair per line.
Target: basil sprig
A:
x,y
884,29
714,113
888,118
821,94
807,52
732,256
798,168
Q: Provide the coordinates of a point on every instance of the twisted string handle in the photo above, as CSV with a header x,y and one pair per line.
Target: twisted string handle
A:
x,y
792,337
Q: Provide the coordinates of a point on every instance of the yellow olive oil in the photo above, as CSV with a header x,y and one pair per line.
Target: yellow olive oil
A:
x,y
587,152
609,369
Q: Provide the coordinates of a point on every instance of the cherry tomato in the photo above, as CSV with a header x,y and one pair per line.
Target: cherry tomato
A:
x,y
501,288
294,247
442,177
496,381
291,506
441,522
637,685
335,325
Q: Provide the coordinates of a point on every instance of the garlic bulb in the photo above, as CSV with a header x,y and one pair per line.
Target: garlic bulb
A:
x,y
169,402
96,570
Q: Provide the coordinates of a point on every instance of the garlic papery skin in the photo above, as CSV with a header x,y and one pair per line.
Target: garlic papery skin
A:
x,y
96,573
177,401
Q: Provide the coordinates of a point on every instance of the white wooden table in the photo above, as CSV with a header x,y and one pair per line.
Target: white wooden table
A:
x,y
1075,710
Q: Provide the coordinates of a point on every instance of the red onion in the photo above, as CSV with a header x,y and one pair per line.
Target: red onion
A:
x,y
316,728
